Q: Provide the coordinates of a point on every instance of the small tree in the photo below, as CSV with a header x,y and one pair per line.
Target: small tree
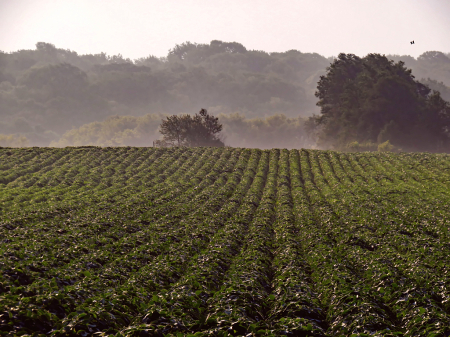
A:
x,y
174,129
185,130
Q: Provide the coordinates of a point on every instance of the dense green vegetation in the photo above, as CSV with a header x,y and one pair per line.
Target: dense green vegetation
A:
x,y
55,95
373,99
223,241
202,129
277,131
48,91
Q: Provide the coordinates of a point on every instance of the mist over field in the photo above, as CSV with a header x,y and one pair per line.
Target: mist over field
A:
x,y
56,97
225,168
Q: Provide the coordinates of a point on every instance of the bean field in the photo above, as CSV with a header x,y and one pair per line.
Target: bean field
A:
x,y
223,242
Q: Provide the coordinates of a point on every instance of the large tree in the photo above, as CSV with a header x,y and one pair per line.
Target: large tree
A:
x,y
373,99
185,130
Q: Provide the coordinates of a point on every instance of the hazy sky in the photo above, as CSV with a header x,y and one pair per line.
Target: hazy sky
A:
x,y
138,28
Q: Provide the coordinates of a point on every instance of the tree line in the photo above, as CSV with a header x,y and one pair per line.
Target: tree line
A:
x,y
277,131
47,92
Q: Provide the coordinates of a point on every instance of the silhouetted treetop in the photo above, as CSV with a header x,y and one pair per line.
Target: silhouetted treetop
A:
x,y
434,57
374,99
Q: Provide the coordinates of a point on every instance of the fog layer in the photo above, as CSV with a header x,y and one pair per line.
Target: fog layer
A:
x,y
51,96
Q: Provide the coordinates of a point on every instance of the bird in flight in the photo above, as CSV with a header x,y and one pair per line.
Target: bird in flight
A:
x,y
412,42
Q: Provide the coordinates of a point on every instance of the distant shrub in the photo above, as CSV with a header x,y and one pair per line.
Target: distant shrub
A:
x,y
355,146
386,147
13,141
161,143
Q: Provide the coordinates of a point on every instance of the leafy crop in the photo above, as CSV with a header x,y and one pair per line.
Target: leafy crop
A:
x,y
223,242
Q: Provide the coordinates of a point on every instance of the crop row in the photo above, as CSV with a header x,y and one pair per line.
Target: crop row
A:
x,y
223,241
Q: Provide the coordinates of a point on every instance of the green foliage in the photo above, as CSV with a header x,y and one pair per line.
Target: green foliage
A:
x,y
13,141
355,146
185,130
443,89
62,79
114,131
223,242
373,99
277,131
61,90
385,147
56,90
272,131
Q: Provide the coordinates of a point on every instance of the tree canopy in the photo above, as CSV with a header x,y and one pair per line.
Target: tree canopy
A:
x,y
374,99
48,91
185,130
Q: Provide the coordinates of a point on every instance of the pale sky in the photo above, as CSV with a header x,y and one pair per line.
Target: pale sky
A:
x,y
138,28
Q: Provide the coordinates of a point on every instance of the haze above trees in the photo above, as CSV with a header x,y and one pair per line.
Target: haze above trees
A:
x,y
51,95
